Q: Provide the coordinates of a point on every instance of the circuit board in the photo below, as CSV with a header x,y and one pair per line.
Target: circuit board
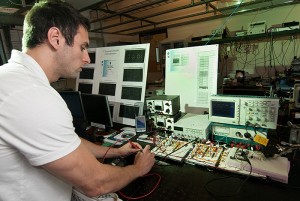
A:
x,y
173,149
205,154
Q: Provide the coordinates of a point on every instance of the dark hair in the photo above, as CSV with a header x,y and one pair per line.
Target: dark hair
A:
x,y
47,14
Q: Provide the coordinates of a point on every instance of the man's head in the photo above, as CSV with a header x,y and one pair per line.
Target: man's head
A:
x,y
56,36
47,14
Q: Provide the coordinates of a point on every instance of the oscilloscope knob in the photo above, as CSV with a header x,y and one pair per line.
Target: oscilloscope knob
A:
x,y
247,135
167,110
238,134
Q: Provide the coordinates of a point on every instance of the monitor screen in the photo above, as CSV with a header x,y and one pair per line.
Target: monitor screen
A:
x,y
135,56
87,73
133,75
85,88
74,103
131,93
223,109
97,109
129,111
107,89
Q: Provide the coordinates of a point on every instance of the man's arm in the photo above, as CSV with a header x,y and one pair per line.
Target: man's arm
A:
x,y
82,170
109,152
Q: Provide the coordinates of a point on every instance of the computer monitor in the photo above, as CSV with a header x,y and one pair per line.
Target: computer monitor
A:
x,y
97,110
74,103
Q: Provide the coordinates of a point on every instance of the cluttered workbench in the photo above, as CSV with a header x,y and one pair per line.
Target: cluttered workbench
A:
x,y
210,171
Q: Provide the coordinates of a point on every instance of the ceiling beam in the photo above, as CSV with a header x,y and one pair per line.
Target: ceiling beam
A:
x,y
11,20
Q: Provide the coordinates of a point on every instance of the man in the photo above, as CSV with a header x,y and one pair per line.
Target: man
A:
x,y
40,155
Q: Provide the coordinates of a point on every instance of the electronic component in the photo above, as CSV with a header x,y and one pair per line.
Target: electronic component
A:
x,y
235,134
87,73
276,168
85,87
205,154
140,124
135,55
165,122
256,28
133,75
131,93
107,89
192,126
163,104
170,148
244,110
260,112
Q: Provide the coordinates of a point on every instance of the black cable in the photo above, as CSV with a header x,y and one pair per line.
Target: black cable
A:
x,y
228,177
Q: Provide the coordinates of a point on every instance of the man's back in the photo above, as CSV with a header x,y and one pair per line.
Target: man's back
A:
x,y
28,138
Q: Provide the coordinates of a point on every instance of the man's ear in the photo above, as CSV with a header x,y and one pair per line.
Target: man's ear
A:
x,y
55,37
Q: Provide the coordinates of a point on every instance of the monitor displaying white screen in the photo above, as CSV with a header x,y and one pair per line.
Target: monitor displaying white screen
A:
x,y
192,73
97,109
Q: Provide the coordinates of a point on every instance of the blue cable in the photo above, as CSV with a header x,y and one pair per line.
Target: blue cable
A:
x,y
224,23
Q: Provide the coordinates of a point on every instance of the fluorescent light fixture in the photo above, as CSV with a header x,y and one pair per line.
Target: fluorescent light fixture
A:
x,y
8,10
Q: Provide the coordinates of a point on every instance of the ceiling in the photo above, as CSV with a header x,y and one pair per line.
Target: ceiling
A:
x,y
131,17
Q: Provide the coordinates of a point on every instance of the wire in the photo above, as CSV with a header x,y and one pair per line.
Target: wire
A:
x,y
213,35
109,149
228,177
139,197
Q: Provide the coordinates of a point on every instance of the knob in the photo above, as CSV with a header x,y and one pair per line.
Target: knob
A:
x,y
238,134
247,135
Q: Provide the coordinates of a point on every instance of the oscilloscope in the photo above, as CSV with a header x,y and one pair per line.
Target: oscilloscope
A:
x,y
244,110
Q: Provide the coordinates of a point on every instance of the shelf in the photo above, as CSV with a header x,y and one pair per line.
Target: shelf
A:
x,y
245,38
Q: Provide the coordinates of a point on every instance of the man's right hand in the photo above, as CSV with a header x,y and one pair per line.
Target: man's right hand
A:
x,y
144,160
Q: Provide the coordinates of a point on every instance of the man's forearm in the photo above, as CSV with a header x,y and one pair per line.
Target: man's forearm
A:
x,y
100,151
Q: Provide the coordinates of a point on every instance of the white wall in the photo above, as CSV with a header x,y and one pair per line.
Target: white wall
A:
x,y
258,57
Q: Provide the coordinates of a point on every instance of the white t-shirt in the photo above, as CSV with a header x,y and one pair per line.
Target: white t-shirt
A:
x,y
35,128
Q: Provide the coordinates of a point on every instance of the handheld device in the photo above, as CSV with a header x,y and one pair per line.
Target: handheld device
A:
x,y
140,124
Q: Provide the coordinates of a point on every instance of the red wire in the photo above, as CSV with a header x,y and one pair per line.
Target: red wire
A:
x,y
136,198
154,174
109,149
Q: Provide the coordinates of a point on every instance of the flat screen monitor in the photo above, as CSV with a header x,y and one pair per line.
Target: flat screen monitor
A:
x,y
97,110
74,103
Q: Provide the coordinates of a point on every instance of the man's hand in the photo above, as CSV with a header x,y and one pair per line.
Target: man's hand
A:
x,y
129,148
144,160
